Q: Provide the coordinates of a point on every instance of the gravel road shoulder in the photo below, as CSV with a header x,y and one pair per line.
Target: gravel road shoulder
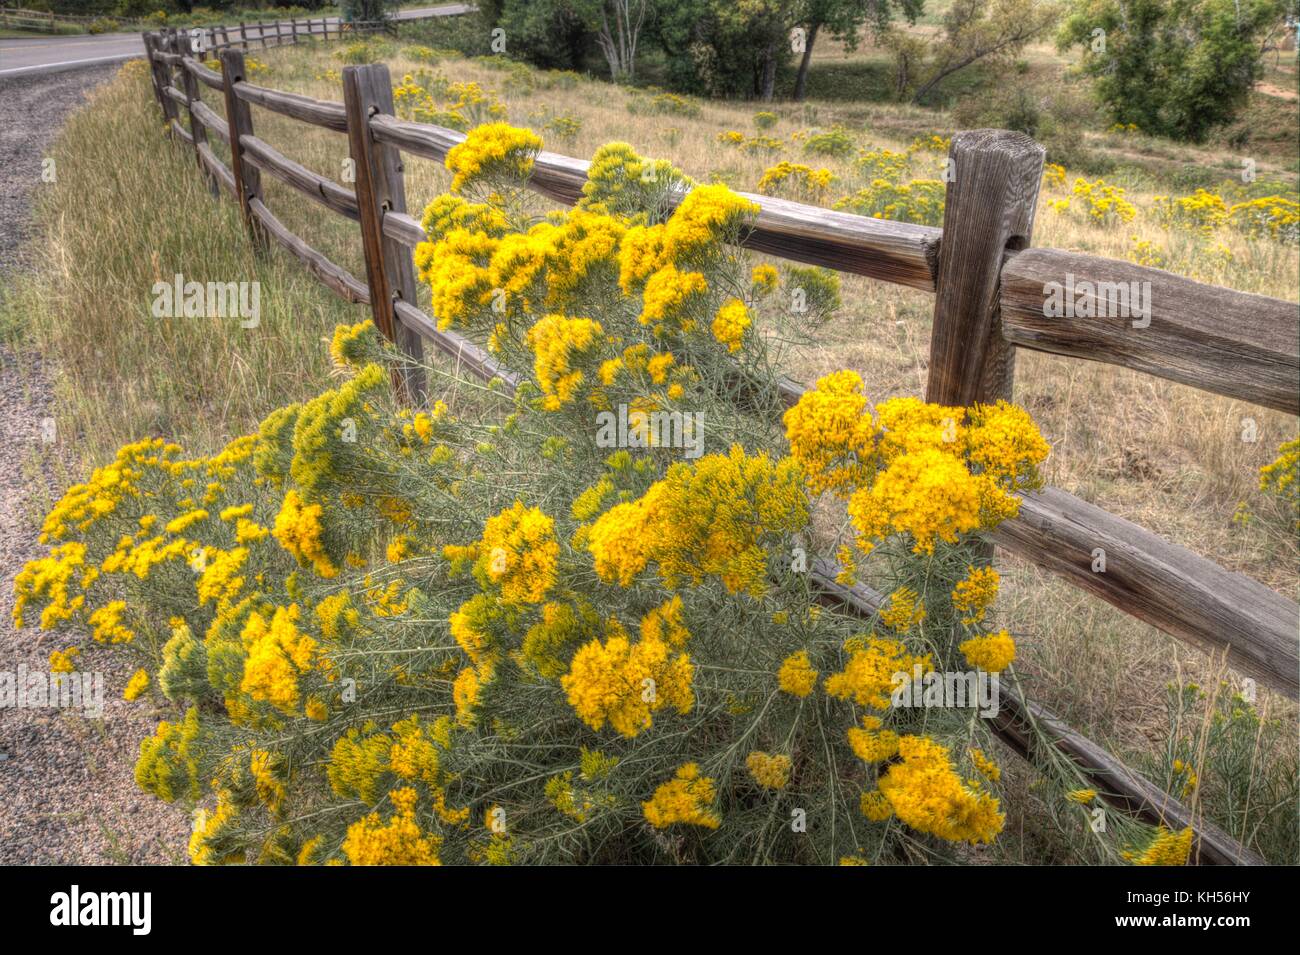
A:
x,y
67,789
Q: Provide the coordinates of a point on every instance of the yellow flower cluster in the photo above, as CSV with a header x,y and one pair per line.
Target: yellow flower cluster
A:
x,y
796,675
555,341
904,611
928,795
991,652
935,472
771,771
1103,202
299,531
686,798
278,655
519,553
975,593
797,180
831,434
1166,848
868,676
711,518
623,683
400,841
730,324
493,150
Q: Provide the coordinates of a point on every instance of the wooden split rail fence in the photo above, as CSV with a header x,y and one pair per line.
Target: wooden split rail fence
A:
x,y
989,289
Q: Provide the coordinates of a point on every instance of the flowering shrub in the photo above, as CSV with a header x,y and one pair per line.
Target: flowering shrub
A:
x,y
796,181
920,201
422,636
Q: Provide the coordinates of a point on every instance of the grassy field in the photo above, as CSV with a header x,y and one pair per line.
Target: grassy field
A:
x,y
130,209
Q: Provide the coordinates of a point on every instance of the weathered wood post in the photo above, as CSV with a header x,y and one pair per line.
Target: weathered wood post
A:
x,y
190,86
293,23
390,273
994,177
243,35
993,181
239,117
150,48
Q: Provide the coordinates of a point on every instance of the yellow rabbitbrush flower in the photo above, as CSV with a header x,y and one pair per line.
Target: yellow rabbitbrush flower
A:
x,y
831,435
279,654
298,529
106,623
796,675
493,150
975,593
400,841
624,683
730,324
557,341
1166,848
904,611
868,676
927,494
519,553
928,795
991,652
771,771
870,743
686,798
136,686
711,518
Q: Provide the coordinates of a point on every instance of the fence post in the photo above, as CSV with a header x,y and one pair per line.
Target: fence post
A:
x,y
239,117
243,35
390,274
190,86
993,182
293,23
150,46
261,33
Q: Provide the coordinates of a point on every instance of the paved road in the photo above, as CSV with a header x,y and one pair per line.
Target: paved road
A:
x,y
21,57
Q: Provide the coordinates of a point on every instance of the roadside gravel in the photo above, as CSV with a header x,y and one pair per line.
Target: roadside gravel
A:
x,y
67,792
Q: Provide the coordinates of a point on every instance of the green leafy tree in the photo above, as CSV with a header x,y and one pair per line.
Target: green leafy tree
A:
x,y
844,20
1175,68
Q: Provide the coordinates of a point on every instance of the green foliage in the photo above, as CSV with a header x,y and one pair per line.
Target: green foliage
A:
x,y
1174,68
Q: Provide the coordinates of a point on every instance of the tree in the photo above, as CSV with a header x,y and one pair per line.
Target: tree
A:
x,y
1176,68
617,33
844,20
974,31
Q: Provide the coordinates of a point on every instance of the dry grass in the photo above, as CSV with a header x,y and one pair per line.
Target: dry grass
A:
x,y
1167,457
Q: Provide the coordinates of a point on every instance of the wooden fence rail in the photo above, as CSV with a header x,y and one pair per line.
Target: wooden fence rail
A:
x,y
992,294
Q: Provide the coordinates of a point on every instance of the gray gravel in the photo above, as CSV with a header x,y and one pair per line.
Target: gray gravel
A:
x,y
67,792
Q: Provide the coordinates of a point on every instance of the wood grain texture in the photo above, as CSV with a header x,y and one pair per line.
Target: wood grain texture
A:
x,y
1167,586
1220,340
211,121
323,113
989,207
1024,726
381,190
313,185
209,78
